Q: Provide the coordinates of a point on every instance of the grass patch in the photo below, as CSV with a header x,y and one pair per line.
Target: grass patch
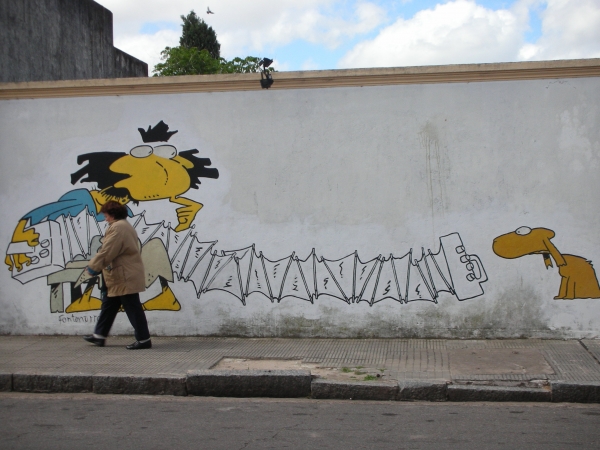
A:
x,y
370,378
346,370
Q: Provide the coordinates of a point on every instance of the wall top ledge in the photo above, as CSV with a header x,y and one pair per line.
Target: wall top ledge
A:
x,y
458,73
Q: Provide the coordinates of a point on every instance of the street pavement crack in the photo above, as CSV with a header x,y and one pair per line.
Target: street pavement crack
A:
x,y
588,350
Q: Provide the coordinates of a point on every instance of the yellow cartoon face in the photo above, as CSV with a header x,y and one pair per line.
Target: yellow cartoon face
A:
x,y
148,172
154,172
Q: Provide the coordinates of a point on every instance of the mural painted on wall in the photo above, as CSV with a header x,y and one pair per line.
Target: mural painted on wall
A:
x,y
56,240
244,272
578,277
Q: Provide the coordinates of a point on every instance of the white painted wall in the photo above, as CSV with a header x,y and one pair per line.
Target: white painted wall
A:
x,y
379,170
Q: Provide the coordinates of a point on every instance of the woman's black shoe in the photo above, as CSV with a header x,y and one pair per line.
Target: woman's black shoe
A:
x,y
95,340
137,345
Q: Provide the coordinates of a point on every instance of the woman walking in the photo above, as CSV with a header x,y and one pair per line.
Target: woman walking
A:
x,y
120,262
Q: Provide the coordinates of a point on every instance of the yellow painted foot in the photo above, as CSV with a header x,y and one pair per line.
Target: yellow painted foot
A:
x,y
165,301
85,303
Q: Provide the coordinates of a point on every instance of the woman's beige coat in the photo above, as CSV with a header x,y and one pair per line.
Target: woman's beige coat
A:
x,y
120,260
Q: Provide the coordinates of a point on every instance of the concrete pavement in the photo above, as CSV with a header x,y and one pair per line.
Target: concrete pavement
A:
x,y
371,369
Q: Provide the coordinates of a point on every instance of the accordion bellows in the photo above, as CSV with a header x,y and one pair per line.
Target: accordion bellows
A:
x,y
244,272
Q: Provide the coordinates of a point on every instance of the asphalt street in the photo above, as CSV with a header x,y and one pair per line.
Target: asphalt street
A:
x,y
75,421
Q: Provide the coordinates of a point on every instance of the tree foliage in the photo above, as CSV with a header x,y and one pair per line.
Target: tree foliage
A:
x,y
186,61
199,53
196,33
191,61
239,65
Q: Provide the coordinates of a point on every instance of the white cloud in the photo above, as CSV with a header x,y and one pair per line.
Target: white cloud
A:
x,y
235,21
311,24
452,33
309,64
280,66
147,47
570,29
455,31
243,27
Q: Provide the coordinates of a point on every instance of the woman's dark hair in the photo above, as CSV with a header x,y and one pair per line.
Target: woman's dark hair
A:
x,y
115,210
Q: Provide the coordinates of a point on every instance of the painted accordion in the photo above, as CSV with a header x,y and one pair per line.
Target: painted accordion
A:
x,y
244,272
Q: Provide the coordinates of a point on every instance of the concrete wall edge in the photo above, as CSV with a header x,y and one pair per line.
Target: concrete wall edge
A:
x,y
460,73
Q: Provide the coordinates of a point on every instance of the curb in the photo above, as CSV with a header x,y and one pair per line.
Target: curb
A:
x,y
430,390
245,383
474,393
5,381
51,382
135,384
575,391
353,390
289,384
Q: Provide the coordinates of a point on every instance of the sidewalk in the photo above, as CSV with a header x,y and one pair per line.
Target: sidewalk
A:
x,y
378,369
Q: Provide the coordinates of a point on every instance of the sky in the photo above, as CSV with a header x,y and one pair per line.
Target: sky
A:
x,y
343,34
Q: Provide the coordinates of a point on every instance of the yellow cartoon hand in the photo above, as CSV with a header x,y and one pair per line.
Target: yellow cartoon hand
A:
x,y
17,260
20,234
187,213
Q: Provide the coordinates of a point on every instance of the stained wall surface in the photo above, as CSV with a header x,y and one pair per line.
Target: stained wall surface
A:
x,y
421,210
60,40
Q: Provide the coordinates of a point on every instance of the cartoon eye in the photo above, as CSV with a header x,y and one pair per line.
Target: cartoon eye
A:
x,y
141,151
165,151
522,231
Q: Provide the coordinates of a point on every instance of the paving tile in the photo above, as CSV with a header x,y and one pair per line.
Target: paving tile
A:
x,y
403,359
593,347
498,361
571,361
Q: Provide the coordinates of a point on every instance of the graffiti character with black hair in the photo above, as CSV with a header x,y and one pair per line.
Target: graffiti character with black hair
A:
x,y
148,172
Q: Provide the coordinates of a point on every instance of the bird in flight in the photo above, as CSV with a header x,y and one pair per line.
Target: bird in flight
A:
x,y
208,11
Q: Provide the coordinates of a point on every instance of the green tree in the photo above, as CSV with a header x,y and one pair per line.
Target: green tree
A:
x,y
196,33
186,61
191,61
199,53
239,65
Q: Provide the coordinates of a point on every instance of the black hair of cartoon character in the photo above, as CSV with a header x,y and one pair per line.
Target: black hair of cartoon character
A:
x,y
97,170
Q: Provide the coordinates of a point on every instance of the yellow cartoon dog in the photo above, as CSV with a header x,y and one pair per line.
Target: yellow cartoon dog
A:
x,y
578,275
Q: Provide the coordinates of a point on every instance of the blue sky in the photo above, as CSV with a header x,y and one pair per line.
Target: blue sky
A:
x,y
301,53
332,34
